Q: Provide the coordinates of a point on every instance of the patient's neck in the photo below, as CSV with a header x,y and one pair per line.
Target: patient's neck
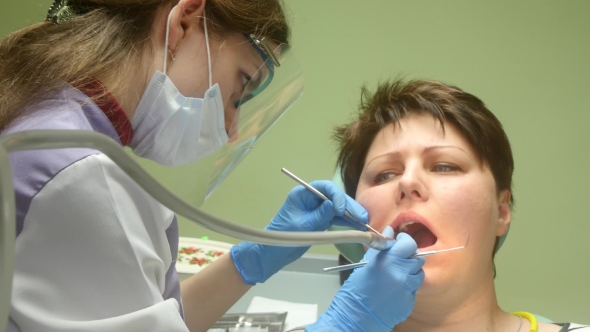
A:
x,y
457,309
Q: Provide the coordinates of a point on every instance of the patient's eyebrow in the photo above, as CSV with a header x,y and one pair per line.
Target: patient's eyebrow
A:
x,y
438,147
389,155
398,154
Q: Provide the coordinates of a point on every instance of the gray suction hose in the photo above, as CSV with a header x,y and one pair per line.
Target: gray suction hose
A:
x,y
61,139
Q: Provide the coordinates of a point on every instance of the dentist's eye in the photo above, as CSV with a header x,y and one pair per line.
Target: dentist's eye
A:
x,y
247,84
445,168
245,80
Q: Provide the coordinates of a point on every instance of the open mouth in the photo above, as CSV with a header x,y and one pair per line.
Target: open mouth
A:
x,y
419,232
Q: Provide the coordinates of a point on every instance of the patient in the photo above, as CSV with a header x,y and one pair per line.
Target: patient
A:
x,y
431,160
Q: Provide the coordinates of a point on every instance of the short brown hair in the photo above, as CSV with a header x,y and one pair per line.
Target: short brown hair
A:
x,y
395,100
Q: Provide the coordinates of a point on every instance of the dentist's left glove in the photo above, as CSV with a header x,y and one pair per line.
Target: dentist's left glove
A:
x,y
302,211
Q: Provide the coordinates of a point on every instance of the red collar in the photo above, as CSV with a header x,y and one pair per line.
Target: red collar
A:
x,y
111,108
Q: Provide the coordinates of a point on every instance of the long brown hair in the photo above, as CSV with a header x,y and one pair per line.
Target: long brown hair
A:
x,y
108,41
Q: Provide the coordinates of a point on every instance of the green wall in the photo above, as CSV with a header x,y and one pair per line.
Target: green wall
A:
x,y
528,60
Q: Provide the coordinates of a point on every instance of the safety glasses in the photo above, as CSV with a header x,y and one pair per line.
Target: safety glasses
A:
x,y
265,74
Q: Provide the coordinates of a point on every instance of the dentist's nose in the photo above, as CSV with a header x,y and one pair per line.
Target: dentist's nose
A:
x,y
411,186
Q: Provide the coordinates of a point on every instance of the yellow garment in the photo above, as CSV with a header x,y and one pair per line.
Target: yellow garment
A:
x,y
530,317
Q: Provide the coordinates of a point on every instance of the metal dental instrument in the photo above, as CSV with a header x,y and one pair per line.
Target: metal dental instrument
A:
x,y
419,254
322,196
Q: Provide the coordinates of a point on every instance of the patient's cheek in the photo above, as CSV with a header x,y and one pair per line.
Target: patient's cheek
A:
x,y
377,207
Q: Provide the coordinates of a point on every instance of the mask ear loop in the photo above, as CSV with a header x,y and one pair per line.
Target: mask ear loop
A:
x,y
208,50
206,44
166,40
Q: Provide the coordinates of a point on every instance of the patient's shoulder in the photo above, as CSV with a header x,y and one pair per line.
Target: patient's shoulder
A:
x,y
563,327
549,327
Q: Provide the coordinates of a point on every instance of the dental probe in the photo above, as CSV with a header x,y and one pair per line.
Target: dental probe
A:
x,y
319,194
419,254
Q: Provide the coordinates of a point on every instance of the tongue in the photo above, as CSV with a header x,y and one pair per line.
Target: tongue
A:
x,y
424,238
421,234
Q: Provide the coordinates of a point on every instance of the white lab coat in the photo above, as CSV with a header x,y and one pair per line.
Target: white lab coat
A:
x,y
94,252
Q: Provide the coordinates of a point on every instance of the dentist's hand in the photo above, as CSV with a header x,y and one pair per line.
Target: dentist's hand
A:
x,y
379,295
302,211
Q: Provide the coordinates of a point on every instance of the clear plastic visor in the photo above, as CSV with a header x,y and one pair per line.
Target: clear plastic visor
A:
x,y
265,98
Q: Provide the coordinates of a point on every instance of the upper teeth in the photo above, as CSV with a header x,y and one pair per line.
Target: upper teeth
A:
x,y
403,226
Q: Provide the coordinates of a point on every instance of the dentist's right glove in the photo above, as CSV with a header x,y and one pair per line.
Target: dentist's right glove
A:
x,y
377,296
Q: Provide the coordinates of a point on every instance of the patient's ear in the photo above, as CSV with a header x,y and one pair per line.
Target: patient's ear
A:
x,y
504,213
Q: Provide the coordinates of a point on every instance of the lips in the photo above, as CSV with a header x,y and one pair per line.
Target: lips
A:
x,y
417,227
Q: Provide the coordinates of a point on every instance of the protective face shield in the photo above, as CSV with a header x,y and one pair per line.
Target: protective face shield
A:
x,y
271,91
277,84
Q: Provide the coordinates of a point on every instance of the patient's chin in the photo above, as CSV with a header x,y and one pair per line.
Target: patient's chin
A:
x,y
438,275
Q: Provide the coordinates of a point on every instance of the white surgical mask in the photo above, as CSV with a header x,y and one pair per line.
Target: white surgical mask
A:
x,y
172,129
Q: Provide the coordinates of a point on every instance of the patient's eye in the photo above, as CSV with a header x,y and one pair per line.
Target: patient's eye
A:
x,y
383,177
444,168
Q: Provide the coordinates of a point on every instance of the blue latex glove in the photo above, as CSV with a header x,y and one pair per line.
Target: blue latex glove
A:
x,y
377,296
302,211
